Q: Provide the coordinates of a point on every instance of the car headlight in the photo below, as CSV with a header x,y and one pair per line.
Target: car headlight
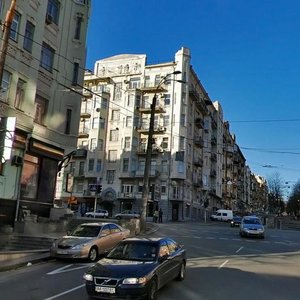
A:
x,y
88,277
260,229
79,246
140,280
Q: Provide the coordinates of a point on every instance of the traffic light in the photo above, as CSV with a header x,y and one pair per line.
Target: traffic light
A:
x,y
99,188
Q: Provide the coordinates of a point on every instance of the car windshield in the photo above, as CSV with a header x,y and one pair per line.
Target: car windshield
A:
x,y
252,221
86,231
134,251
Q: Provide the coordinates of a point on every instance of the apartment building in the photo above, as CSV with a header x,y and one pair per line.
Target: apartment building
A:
x,y
39,111
187,167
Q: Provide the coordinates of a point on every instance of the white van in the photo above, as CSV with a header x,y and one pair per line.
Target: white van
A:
x,y
222,215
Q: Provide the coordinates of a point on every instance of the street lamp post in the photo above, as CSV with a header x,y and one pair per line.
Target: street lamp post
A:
x,y
145,192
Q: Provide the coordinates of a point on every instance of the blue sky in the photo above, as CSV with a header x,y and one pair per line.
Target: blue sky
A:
x,y
246,54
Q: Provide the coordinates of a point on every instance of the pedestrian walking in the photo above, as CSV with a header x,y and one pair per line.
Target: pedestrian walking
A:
x,y
160,214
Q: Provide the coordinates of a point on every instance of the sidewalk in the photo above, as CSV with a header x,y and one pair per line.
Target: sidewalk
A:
x,y
10,260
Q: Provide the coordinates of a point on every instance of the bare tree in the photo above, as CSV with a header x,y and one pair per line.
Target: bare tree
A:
x,y
276,192
293,205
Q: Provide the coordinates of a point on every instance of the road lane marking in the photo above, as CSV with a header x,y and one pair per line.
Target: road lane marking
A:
x,y
67,269
223,264
66,292
237,251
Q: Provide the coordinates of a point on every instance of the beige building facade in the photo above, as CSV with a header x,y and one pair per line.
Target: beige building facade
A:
x,y
39,113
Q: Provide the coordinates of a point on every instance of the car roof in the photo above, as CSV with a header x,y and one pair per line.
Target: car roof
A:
x,y
251,217
147,240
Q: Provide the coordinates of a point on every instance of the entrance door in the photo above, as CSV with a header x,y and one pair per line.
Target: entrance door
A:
x,y
175,211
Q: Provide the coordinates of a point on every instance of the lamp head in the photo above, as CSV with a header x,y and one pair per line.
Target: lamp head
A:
x,y
176,72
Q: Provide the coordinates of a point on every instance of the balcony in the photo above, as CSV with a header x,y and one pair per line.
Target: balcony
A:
x,y
126,196
152,173
146,108
127,175
156,130
142,150
85,114
87,93
152,87
80,153
83,133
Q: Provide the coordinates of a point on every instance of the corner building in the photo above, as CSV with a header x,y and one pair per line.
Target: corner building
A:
x,y
186,162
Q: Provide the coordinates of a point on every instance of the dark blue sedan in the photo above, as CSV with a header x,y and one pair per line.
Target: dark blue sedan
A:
x,y
136,269
236,221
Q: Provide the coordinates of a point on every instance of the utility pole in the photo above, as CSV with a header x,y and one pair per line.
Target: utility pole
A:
x,y
6,30
145,192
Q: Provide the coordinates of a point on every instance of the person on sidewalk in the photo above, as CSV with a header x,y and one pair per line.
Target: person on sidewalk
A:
x,y
160,214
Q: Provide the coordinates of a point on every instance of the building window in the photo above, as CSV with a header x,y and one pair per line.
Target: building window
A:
x,y
104,103
29,177
134,83
5,85
125,164
115,115
128,121
28,37
99,165
182,119
112,155
102,123
95,123
91,165
141,165
163,187
114,135
81,168
167,99
131,99
40,109
127,142
68,121
164,166
147,81
93,144
52,12
110,176
14,28
157,80
75,73
47,57
79,20
181,143
100,144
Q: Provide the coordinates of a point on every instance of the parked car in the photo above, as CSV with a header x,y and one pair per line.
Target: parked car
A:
x,y
136,268
222,215
99,213
88,240
236,221
252,226
127,214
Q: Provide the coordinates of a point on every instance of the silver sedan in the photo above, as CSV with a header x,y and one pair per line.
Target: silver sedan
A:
x,y
88,240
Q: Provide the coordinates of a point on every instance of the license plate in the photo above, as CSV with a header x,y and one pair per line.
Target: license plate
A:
x,y
104,289
62,252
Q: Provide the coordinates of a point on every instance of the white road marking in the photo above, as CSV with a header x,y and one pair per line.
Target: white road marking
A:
x,y
223,264
66,292
67,269
237,251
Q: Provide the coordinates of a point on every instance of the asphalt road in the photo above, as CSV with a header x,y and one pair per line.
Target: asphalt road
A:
x,y
221,265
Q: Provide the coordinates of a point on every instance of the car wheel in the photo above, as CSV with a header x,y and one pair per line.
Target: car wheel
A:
x,y
93,254
152,292
181,274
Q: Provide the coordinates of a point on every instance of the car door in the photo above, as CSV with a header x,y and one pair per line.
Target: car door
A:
x,y
104,239
117,234
165,264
